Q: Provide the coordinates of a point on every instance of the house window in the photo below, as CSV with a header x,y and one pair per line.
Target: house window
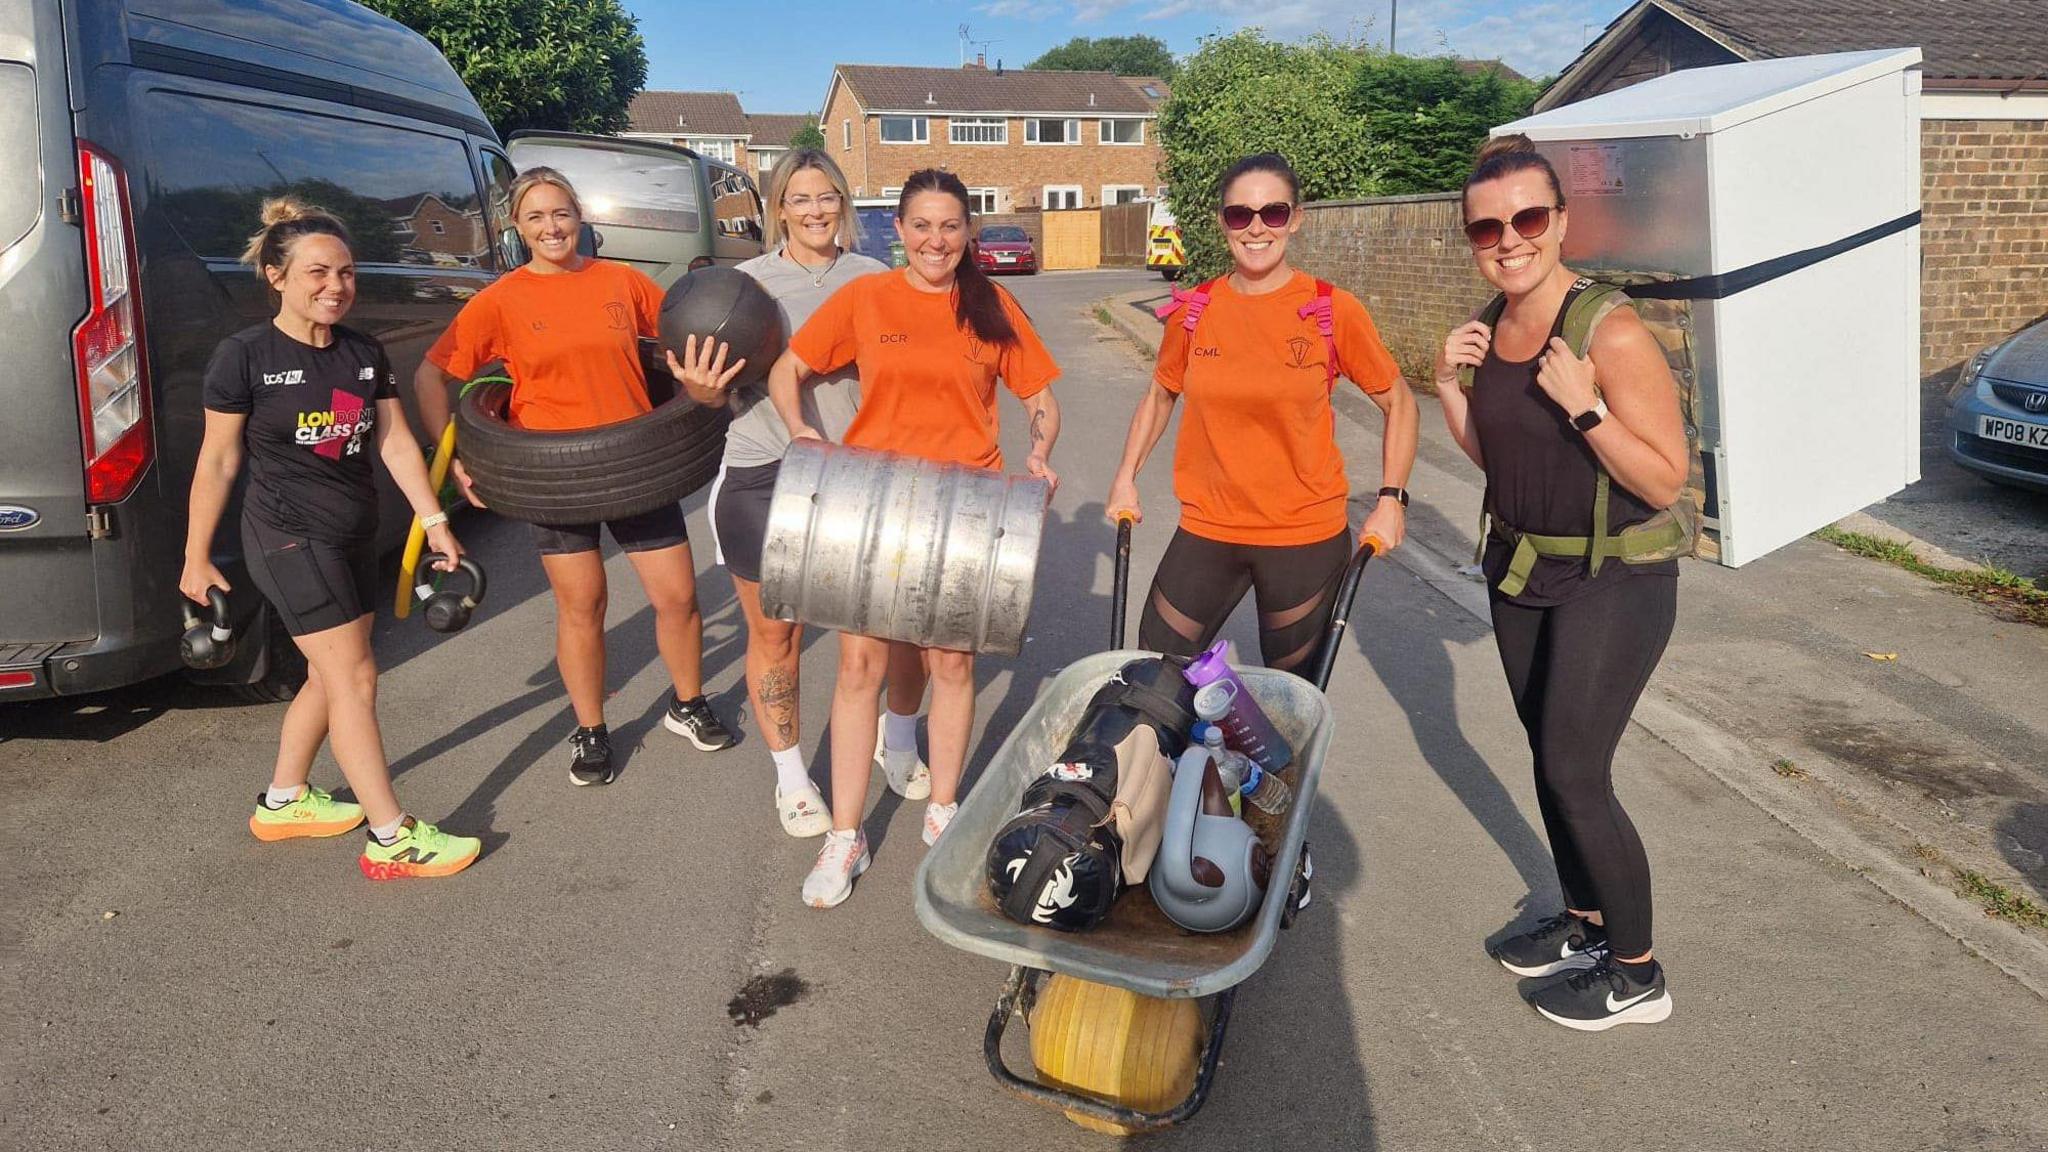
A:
x,y
981,201
439,229
978,130
1121,193
906,130
713,148
845,135
1062,196
1123,131
1152,91
893,193
1052,131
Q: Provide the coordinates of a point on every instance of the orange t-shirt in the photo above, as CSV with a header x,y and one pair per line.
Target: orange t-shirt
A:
x,y
927,385
570,342
1257,461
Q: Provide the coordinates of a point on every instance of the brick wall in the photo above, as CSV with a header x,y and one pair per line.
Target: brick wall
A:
x,y
1984,234
1405,258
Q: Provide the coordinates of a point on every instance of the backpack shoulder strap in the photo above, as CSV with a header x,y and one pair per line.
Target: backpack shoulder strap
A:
x,y
1326,323
1189,304
1590,303
1489,316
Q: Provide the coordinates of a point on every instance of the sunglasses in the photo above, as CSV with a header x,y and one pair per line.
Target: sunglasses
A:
x,y
1238,217
1529,223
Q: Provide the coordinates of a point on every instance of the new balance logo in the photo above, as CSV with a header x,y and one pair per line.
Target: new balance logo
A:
x,y
412,855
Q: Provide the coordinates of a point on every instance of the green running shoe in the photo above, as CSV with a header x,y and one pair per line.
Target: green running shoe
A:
x,y
420,850
314,813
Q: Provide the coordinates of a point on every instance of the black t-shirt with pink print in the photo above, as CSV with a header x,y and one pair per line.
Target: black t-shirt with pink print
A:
x,y
312,414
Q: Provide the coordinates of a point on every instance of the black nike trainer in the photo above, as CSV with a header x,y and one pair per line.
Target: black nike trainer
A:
x,y
1603,996
1560,943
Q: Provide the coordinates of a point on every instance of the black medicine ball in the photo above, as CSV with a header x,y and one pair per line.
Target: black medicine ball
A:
x,y
729,305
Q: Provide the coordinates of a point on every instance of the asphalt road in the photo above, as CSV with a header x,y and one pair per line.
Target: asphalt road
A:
x,y
578,987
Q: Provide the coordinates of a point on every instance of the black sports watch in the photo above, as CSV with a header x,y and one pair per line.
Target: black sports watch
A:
x,y
1400,494
1590,419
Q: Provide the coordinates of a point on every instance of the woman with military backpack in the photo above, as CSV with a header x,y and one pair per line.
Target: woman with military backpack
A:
x,y
1564,399
1257,469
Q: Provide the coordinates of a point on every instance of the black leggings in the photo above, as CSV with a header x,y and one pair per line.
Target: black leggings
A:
x,y
1576,671
1200,581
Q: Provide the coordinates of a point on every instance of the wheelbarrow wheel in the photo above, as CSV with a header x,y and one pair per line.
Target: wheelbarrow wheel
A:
x,y
1132,1051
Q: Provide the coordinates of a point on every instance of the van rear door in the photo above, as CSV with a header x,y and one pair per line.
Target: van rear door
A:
x,y
651,202
47,590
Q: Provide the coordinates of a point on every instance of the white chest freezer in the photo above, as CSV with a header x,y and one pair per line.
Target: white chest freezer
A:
x,y
1783,198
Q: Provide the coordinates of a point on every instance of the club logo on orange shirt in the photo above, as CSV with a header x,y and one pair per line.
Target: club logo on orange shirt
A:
x,y
1297,347
1216,351
974,347
619,316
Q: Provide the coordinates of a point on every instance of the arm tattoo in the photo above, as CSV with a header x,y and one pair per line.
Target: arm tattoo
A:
x,y
779,703
1038,426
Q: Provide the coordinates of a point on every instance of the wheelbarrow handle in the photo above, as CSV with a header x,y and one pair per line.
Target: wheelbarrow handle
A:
x,y
1120,586
1341,614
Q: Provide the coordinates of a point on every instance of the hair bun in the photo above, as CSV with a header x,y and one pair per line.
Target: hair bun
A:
x,y
283,210
1512,144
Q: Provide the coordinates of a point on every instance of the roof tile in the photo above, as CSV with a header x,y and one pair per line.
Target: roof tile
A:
x,y
882,87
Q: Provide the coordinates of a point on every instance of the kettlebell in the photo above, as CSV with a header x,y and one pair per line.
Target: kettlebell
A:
x,y
448,610
1211,872
207,643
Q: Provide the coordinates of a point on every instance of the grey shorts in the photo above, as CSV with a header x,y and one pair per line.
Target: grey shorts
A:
x,y
647,532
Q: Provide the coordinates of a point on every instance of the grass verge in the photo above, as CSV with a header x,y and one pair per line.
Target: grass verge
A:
x,y
1996,899
2015,596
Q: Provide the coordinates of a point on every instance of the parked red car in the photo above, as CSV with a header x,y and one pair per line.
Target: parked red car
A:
x,y
1005,248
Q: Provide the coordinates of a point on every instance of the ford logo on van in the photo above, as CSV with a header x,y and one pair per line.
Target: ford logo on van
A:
x,y
14,518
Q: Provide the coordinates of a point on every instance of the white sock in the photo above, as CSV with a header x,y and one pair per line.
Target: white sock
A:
x,y
790,773
899,733
842,837
386,833
279,797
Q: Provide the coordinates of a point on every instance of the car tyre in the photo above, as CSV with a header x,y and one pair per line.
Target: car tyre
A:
x,y
281,671
590,474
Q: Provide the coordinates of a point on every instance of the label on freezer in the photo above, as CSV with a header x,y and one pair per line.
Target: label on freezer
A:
x,y
1595,170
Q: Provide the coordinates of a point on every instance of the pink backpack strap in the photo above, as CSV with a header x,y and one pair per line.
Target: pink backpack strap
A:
x,y
1326,323
1190,305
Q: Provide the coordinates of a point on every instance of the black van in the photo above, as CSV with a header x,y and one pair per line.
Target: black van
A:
x,y
140,137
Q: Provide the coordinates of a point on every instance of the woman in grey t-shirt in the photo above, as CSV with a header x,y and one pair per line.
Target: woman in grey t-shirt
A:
x,y
812,232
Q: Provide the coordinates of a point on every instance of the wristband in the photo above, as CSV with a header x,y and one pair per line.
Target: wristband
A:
x,y
434,521
1400,494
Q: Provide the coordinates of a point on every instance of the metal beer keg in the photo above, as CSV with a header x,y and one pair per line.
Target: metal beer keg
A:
x,y
939,555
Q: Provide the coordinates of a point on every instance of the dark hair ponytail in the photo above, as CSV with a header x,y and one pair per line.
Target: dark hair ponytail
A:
x,y
977,302
1507,155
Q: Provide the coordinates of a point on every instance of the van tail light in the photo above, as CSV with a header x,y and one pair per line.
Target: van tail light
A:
x,y
113,364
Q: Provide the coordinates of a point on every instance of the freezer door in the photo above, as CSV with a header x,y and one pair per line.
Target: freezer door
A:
x,y
1639,203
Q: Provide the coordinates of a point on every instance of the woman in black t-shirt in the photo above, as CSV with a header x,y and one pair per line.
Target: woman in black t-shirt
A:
x,y
303,398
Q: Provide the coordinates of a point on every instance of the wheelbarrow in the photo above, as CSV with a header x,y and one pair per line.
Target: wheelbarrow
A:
x,y
1127,1019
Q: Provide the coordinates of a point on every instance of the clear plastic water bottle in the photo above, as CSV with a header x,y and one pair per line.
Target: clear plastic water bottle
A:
x,y
1267,792
1231,766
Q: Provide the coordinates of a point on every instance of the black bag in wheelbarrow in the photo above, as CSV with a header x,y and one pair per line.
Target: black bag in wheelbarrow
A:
x,y
1091,822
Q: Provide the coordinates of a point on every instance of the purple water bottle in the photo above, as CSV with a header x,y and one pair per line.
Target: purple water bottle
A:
x,y
1222,699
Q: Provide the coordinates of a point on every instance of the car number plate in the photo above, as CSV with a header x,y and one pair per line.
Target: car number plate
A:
x,y
1006,257
2013,431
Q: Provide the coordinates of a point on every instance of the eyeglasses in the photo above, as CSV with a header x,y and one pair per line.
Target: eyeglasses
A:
x,y
829,202
1529,223
1238,217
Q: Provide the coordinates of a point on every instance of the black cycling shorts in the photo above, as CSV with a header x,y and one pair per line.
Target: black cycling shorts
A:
x,y
648,532
739,517
1200,582
313,585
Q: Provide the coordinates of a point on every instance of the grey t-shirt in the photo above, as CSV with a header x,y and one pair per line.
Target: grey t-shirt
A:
x,y
757,435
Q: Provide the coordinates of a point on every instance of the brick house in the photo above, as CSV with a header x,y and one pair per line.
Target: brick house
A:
x,y
708,123
1983,130
771,132
1018,139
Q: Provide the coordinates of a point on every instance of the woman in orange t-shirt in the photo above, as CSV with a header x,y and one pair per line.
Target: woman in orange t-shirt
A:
x,y
1257,469
568,329
931,341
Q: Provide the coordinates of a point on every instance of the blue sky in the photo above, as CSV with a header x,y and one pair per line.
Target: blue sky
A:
x,y
784,63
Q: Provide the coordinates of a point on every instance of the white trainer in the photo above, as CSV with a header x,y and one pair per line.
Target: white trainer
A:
x,y
913,782
803,812
844,856
936,817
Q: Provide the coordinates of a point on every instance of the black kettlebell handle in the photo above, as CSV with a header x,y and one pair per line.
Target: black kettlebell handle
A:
x,y
217,601
447,610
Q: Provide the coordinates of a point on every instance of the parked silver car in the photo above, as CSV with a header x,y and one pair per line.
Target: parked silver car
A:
x,y
1998,411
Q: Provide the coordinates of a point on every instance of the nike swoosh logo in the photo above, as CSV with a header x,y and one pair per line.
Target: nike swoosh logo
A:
x,y
1614,1005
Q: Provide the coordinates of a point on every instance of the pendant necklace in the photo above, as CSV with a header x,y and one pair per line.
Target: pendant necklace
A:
x,y
817,280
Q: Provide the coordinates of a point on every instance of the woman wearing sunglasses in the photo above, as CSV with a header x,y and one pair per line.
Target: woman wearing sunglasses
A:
x,y
1257,469
812,232
1542,422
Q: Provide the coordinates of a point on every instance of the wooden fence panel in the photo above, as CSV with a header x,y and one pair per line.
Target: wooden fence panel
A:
x,y
1073,239
1124,232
